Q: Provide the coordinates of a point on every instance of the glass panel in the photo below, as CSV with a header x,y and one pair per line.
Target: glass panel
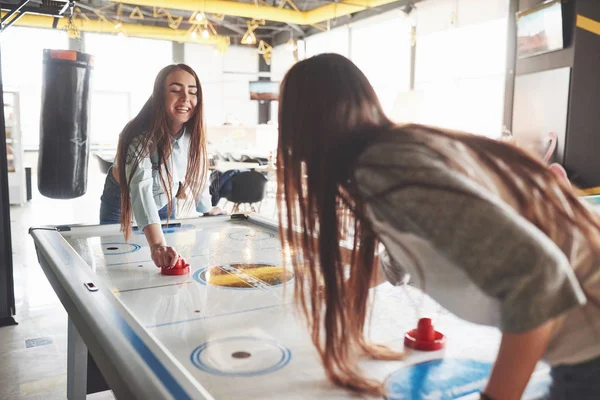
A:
x,y
386,63
460,77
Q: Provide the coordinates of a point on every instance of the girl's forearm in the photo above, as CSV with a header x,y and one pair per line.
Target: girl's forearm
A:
x,y
517,357
154,235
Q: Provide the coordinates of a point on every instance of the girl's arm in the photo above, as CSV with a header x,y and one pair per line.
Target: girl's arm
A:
x,y
518,355
164,256
490,264
146,213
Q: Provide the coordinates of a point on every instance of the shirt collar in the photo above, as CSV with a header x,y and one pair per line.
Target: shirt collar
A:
x,y
175,139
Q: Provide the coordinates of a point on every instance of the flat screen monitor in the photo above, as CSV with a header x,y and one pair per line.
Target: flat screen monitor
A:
x,y
540,30
264,90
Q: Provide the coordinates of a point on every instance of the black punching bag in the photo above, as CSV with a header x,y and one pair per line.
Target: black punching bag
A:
x,y
64,127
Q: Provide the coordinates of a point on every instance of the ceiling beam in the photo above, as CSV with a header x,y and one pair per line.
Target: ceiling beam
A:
x,y
269,13
133,30
310,31
150,17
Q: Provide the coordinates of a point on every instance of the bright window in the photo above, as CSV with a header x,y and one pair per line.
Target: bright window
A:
x,y
381,49
460,77
105,130
122,81
22,55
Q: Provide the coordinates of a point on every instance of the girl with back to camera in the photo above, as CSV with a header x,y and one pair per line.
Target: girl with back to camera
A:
x,y
161,155
515,246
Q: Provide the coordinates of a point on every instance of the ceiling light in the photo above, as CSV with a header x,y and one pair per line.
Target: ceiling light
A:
x,y
250,39
205,34
194,35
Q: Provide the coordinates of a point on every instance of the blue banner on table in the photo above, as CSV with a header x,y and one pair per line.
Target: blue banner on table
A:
x,y
450,379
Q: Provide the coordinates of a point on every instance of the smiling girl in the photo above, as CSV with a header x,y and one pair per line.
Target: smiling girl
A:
x,y
161,153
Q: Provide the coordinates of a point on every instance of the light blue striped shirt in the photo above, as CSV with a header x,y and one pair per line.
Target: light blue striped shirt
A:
x,y
146,189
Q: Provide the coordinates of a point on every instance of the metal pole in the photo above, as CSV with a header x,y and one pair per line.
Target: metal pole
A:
x,y
7,290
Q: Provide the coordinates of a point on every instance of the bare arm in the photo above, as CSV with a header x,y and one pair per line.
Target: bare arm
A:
x,y
146,213
518,355
164,256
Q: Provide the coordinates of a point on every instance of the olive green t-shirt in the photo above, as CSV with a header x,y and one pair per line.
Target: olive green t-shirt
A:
x,y
470,250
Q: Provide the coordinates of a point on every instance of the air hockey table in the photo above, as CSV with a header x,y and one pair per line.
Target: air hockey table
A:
x,y
200,336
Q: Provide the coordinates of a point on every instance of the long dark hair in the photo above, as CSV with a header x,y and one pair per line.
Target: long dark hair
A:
x,y
321,100
150,130
328,114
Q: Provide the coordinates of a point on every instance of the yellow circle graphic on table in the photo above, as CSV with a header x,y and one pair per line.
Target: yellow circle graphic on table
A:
x,y
246,275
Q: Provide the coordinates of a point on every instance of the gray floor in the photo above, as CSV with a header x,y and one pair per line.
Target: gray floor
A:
x,y
40,370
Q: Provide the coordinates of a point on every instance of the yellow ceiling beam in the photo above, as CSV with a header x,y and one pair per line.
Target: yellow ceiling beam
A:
x,y
330,11
246,10
103,26
335,10
269,13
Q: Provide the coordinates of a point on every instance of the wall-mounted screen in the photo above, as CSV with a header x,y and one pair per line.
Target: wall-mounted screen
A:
x,y
264,90
540,30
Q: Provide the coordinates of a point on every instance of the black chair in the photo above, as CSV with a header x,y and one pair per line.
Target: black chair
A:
x,y
104,164
247,187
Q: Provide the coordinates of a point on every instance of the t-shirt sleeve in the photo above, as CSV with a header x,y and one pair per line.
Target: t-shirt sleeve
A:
x,y
501,252
393,272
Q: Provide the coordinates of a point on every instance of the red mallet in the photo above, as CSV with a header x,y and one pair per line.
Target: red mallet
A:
x,y
180,268
424,338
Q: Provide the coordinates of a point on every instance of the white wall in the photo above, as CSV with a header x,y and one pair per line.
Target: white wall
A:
x,y
224,79
240,66
283,59
334,41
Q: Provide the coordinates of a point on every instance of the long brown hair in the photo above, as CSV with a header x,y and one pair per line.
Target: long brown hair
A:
x,y
150,130
328,114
